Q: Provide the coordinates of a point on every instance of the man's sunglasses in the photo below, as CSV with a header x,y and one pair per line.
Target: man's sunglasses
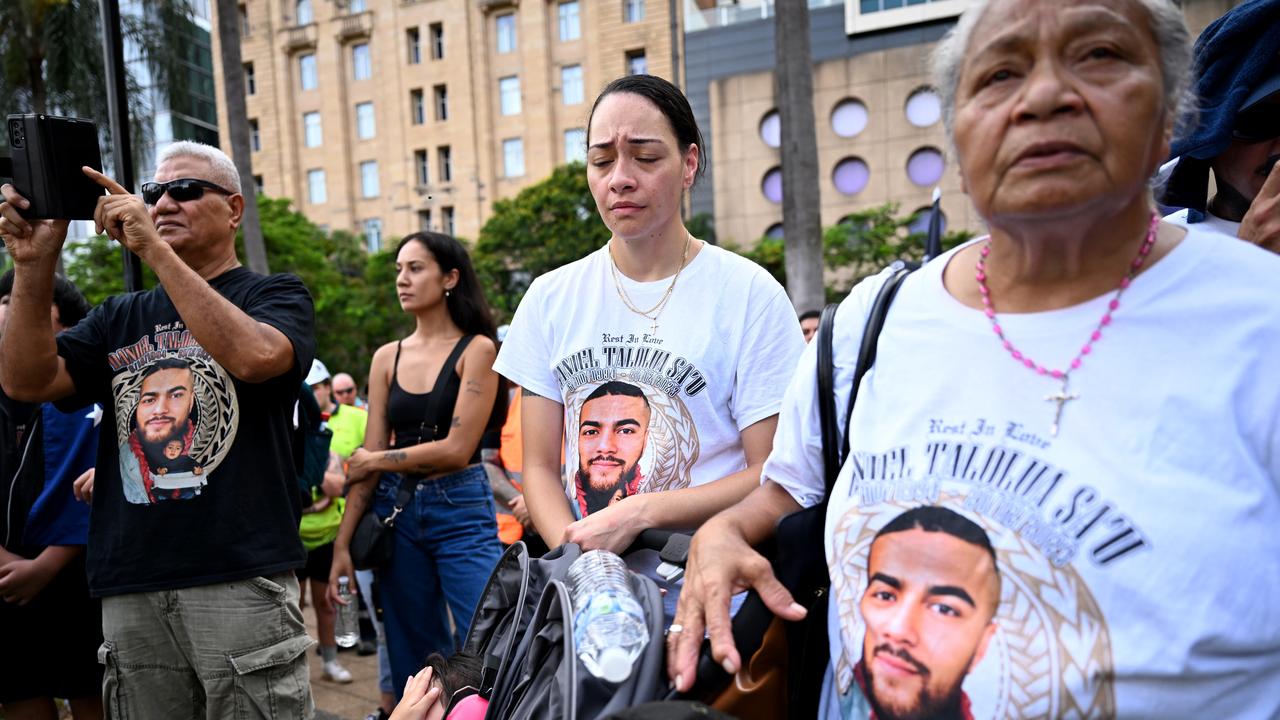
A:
x,y
343,391
1259,124
181,190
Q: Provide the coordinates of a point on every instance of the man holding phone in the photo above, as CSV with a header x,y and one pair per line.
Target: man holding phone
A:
x,y
200,603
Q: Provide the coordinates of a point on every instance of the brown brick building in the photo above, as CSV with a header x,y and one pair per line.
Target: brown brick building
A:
x,y
388,116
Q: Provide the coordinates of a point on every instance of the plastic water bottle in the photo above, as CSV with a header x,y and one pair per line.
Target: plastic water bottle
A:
x,y
609,627
346,627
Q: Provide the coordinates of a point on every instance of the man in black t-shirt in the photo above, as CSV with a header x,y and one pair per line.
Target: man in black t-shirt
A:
x,y
193,529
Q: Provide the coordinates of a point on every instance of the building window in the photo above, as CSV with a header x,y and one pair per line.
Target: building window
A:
x,y
636,64
771,129
513,158
444,163
849,117
442,102
250,80
506,32
421,170
316,193
373,234
302,12
571,84
446,220
850,176
570,29
924,108
925,166
632,11
311,133
509,95
356,6
424,220
255,139
575,145
258,185
417,107
361,63
307,71
245,29
771,185
437,40
369,179
366,127
414,43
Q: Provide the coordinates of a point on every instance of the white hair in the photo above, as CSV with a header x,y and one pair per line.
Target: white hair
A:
x,y
1167,27
221,170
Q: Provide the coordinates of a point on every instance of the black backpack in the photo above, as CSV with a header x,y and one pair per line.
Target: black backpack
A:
x,y
310,445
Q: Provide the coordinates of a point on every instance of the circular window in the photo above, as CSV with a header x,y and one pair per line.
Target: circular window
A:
x,y
771,185
920,221
851,175
925,166
771,129
849,117
774,231
924,108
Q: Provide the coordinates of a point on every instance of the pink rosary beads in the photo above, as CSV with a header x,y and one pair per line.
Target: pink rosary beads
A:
x,y
1062,397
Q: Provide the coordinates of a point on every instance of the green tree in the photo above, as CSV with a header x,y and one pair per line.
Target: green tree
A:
x,y
860,245
547,225
51,58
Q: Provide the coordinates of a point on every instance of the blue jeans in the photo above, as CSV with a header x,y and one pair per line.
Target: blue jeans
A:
x,y
446,544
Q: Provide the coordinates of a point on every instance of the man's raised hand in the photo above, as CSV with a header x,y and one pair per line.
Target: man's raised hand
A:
x,y
28,241
123,216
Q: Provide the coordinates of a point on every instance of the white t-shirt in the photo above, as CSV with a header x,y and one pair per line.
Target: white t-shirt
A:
x,y
1138,551
646,410
1210,222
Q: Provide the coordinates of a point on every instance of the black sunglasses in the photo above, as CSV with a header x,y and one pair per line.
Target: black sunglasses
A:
x,y
181,190
1259,124
344,391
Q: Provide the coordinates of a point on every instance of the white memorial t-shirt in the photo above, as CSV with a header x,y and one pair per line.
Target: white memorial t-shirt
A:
x,y
648,410
1138,551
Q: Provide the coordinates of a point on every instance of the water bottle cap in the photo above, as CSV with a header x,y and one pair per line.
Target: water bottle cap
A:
x,y
343,580
615,665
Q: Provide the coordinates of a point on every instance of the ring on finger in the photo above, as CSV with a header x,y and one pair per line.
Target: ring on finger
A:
x,y
675,629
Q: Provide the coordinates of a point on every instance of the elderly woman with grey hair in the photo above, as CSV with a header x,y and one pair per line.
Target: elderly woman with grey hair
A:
x,y
1063,487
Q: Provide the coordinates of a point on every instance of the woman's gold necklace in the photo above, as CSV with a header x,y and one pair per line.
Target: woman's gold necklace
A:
x,y
652,313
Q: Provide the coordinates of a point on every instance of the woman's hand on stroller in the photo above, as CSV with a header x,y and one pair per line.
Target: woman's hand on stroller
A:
x,y
721,564
421,697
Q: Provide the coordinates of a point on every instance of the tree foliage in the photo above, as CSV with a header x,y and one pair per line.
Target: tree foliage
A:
x,y
354,292
51,58
547,225
860,245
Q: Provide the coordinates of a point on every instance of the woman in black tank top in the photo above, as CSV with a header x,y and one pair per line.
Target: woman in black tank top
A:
x,y
431,396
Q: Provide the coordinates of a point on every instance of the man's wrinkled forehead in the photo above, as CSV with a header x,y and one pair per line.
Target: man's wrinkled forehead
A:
x,y
183,166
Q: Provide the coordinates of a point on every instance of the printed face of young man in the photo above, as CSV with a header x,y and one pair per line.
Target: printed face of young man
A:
x,y
928,609
611,437
165,406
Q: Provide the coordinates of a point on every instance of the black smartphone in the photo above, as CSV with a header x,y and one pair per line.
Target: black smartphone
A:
x,y
48,152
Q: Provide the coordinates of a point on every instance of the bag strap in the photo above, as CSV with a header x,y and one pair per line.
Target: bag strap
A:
x,y
833,454
831,460
446,370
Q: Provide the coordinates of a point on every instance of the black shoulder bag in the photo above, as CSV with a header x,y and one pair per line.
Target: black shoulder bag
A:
x,y
372,542
800,562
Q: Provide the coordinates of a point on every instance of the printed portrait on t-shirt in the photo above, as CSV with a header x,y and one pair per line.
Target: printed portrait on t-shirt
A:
x,y
628,429
928,612
175,419
956,586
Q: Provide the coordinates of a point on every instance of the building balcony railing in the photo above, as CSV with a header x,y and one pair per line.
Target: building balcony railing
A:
x,y
301,37
354,27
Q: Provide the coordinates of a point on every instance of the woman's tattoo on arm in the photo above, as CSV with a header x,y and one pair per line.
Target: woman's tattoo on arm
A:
x,y
475,387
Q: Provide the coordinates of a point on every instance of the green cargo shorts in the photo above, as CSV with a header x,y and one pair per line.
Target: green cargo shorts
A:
x,y
230,650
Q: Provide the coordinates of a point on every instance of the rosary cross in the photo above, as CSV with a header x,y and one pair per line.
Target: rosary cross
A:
x,y
1062,397
654,329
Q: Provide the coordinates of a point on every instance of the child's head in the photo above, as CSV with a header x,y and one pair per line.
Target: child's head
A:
x,y
458,676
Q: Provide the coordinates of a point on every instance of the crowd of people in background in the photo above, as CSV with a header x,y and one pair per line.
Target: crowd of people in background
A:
x,y
156,538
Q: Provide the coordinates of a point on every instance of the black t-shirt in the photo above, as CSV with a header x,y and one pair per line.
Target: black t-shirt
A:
x,y
196,481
